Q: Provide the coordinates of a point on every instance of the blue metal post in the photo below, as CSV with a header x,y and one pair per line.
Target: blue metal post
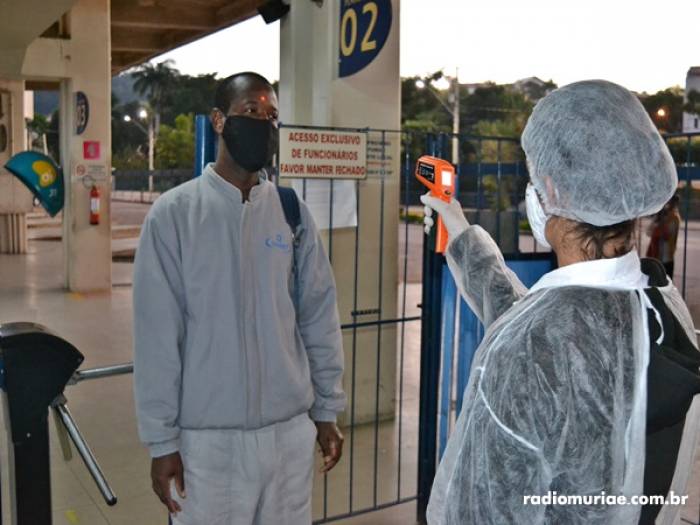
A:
x,y
431,334
447,346
429,374
205,143
688,189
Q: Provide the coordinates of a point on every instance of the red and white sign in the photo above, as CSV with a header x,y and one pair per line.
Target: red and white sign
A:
x,y
322,154
91,149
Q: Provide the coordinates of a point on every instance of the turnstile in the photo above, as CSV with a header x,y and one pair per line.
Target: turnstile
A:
x,y
35,367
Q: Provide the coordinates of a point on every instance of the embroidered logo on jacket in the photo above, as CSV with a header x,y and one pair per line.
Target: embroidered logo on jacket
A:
x,y
278,243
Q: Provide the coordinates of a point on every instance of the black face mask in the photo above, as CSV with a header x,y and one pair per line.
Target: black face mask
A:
x,y
251,142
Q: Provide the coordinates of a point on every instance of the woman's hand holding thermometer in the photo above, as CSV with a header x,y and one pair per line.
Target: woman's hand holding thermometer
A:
x,y
450,212
439,176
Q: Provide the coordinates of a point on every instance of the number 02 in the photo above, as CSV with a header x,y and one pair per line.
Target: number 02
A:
x,y
350,17
367,44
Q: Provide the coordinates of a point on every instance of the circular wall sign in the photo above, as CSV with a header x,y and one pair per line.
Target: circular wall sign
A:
x,y
364,29
3,138
82,112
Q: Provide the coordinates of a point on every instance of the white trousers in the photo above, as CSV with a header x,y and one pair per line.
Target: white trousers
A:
x,y
257,477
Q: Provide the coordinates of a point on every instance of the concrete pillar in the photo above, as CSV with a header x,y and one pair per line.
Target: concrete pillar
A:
x,y
308,45
312,93
15,198
83,65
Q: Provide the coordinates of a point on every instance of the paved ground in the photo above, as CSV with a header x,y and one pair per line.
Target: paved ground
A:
x,y
99,325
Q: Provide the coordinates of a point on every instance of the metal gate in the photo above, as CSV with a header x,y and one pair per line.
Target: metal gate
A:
x,y
379,258
685,148
391,449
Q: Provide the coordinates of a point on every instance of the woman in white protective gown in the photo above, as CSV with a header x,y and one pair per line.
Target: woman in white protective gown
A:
x,y
584,384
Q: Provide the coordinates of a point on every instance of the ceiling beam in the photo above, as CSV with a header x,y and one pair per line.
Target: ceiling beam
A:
x,y
165,18
149,28
42,85
136,42
240,10
210,4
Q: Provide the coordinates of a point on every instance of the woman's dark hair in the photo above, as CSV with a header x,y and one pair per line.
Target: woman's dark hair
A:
x,y
595,238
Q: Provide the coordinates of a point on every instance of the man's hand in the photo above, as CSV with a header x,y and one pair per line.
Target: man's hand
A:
x,y
163,469
331,441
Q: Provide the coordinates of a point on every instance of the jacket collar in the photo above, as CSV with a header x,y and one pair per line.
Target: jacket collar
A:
x,y
222,185
620,273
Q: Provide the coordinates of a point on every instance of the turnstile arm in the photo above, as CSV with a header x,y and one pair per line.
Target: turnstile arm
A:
x,y
103,371
84,450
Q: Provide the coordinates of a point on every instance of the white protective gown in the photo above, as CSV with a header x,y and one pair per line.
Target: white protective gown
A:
x,y
556,399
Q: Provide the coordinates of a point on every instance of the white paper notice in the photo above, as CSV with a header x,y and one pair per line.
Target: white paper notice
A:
x,y
317,196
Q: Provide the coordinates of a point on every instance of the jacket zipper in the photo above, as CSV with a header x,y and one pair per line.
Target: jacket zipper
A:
x,y
242,315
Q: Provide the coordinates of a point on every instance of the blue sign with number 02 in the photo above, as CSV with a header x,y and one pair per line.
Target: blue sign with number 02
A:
x,y
364,29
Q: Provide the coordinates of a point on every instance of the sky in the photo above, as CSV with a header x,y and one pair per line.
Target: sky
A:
x,y
645,45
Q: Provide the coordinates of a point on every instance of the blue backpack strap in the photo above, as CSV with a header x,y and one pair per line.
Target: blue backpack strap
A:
x,y
292,213
290,206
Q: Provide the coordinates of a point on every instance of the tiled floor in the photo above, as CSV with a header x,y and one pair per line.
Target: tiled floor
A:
x,y
100,326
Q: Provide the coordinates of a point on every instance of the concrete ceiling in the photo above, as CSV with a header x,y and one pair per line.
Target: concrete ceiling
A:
x,y
21,22
143,29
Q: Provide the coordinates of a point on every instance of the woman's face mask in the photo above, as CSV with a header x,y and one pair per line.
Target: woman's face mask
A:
x,y
251,142
536,215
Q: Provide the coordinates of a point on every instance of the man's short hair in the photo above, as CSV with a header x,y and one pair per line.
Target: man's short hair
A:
x,y
231,87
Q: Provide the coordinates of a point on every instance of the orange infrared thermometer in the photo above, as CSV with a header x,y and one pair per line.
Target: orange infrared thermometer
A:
x,y
438,176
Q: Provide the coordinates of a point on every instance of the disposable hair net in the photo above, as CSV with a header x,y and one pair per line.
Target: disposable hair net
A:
x,y
595,156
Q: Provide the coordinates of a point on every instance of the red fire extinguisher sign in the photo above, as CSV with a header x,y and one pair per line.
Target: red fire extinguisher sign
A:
x,y
94,205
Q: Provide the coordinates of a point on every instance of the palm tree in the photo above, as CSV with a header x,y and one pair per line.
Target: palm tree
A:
x,y
156,81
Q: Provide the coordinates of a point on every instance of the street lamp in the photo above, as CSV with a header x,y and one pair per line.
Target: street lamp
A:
x,y
442,83
150,133
128,118
447,83
143,115
661,118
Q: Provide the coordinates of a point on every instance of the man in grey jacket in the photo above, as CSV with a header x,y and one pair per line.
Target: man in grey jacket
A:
x,y
238,355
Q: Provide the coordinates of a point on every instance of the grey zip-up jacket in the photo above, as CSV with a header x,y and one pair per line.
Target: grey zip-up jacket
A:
x,y
218,340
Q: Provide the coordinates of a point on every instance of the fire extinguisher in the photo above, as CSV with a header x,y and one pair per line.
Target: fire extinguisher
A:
x,y
94,205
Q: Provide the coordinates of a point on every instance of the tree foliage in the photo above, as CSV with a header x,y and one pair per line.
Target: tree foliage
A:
x,y
494,102
190,94
422,109
175,146
669,100
499,150
693,102
487,109
128,136
129,159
